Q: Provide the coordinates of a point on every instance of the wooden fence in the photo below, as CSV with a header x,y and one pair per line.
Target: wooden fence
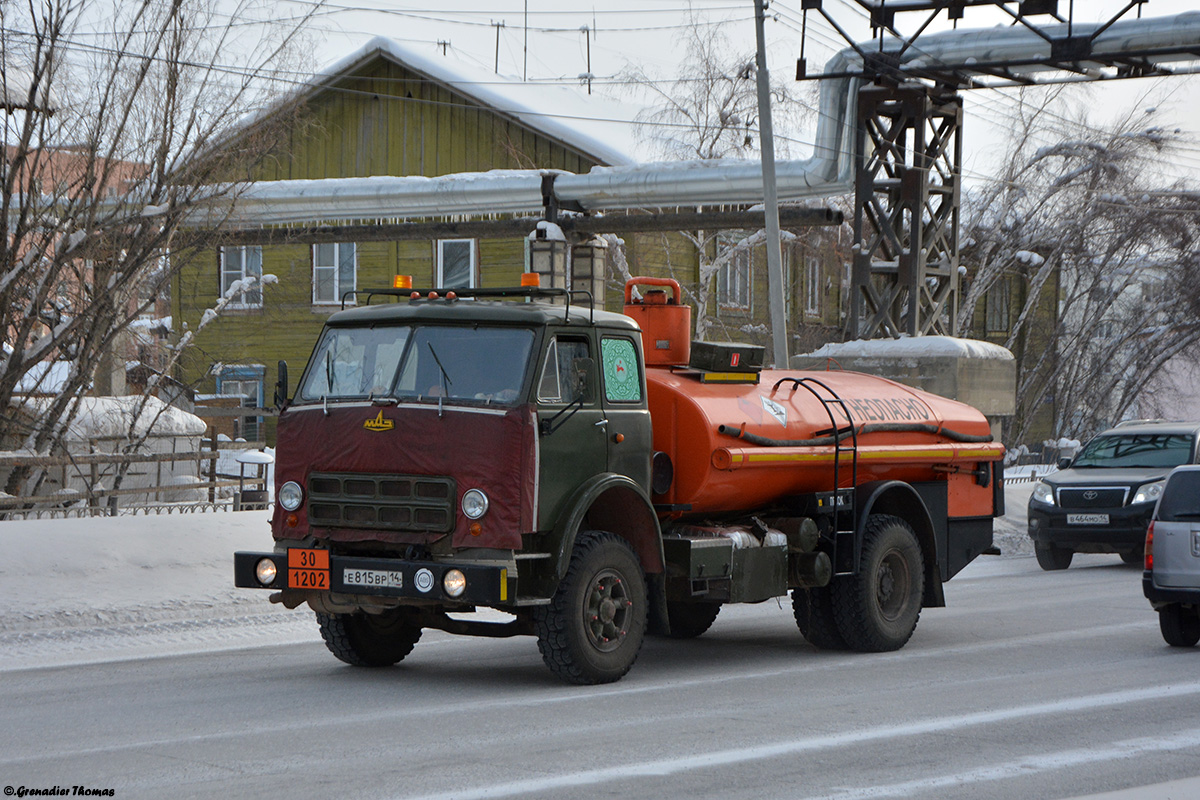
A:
x,y
88,467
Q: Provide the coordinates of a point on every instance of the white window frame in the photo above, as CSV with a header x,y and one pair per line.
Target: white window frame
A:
x,y
733,281
439,276
249,299
339,287
812,286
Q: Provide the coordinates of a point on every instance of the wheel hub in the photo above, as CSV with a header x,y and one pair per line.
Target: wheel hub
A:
x,y
891,585
607,611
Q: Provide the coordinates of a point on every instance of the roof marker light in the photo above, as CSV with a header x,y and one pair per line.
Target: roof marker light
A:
x,y
531,280
402,282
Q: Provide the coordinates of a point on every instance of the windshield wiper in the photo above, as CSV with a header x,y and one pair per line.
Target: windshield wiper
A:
x,y
446,382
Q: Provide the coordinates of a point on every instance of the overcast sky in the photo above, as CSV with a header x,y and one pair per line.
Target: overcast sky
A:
x,y
543,40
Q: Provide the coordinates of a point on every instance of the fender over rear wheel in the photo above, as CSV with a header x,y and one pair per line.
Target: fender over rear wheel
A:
x,y
877,608
593,628
369,640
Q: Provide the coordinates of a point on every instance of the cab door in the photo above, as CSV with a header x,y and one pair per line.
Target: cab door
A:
x,y
628,434
571,427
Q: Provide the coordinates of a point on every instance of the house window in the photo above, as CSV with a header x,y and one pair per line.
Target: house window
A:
x,y
996,314
239,264
733,281
244,382
335,267
456,263
812,284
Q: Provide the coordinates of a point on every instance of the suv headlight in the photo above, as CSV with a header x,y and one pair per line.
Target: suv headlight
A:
x,y
1148,492
1043,493
291,496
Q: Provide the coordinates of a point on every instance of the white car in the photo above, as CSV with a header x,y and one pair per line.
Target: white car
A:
x,y
1171,580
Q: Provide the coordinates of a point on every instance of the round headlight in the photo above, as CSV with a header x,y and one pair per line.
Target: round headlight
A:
x,y
454,583
291,496
265,571
474,504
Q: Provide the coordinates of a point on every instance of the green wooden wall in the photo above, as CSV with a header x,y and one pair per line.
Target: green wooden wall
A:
x,y
382,119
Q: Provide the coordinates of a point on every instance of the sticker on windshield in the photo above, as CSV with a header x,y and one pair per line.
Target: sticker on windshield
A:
x,y
621,380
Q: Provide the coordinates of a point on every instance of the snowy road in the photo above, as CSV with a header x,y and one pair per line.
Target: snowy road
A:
x,y
1030,684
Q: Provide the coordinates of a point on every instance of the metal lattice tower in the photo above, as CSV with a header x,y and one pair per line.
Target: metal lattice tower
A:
x,y
907,183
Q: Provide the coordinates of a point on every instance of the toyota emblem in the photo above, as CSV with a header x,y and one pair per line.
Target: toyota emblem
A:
x,y
1090,494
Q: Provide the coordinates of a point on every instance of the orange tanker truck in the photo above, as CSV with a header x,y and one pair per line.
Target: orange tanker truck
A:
x,y
597,475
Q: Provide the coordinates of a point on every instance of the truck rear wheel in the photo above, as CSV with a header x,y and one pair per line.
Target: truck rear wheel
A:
x,y
594,626
1180,626
877,608
689,620
813,610
369,640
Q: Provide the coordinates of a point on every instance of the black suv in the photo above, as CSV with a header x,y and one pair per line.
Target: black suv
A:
x,y
1101,500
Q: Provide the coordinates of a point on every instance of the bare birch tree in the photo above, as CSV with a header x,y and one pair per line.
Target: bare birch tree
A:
x,y
1100,259
113,128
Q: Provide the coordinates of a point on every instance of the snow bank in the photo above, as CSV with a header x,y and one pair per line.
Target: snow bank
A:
x,y
66,573
109,417
914,347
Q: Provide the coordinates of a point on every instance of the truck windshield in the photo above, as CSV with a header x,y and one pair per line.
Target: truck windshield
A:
x,y
477,364
1136,450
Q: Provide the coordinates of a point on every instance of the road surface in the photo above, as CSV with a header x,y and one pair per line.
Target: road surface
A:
x,y
1030,684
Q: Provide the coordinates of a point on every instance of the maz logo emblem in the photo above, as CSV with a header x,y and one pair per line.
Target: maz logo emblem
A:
x,y
1090,494
379,423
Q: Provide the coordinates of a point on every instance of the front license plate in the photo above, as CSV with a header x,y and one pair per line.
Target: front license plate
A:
x,y
373,577
308,569
1196,543
1087,519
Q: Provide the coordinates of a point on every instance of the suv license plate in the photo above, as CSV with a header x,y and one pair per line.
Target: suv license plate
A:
x,y
1087,519
1196,543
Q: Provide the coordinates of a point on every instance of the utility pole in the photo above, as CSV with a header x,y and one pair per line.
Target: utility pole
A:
x,y
498,26
766,136
525,66
587,37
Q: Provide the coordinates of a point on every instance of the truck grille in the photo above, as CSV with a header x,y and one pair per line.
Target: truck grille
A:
x,y
386,502
1092,497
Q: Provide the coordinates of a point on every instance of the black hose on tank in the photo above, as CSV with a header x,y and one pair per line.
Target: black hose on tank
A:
x,y
738,432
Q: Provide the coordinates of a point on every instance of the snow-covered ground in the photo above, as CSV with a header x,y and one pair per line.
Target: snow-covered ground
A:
x,y
79,590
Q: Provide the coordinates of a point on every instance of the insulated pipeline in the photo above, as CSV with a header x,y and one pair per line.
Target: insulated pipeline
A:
x,y
739,432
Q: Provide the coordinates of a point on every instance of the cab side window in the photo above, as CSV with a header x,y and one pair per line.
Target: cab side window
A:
x,y
622,379
560,381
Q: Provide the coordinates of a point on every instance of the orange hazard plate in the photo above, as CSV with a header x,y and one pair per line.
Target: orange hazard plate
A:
x,y
308,569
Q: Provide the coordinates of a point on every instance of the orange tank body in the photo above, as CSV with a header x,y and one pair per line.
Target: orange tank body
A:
x,y
718,469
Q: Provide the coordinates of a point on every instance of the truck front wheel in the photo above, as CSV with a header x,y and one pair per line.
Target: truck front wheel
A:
x,y
593,628
369,640
877,608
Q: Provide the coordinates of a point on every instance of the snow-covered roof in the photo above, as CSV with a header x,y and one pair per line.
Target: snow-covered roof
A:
x,y
913,347
103,417
598,126
45,377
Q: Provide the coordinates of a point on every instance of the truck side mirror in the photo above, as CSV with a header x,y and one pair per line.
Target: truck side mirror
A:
x,y
583,369
281,386
1064,463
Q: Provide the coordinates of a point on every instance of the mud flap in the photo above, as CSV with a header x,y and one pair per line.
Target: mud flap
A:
x,y
657,622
